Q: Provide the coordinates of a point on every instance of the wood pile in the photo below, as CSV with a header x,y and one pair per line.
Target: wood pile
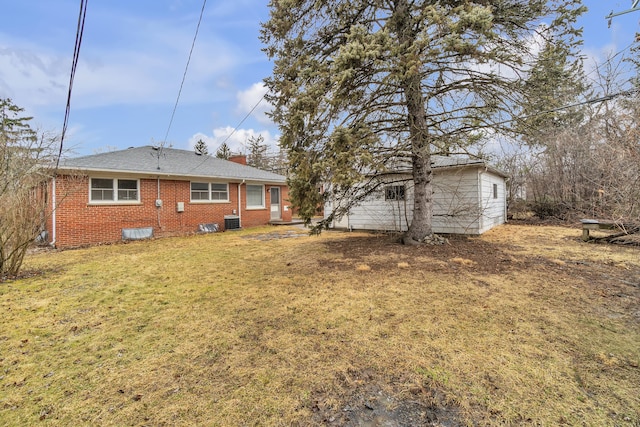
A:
x,y
629,235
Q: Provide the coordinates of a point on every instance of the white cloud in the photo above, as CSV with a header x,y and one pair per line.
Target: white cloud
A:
x,y
142,63
37,78
237,140
253,99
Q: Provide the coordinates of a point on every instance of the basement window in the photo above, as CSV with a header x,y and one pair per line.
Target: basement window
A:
x,y
394,192
114,190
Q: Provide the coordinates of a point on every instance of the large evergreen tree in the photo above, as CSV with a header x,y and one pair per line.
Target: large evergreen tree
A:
x,y
554,87
361,85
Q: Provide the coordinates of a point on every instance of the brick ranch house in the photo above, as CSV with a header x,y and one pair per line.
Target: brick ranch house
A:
x,y
149,191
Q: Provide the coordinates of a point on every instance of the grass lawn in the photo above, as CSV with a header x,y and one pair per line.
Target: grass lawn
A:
x,y
269,326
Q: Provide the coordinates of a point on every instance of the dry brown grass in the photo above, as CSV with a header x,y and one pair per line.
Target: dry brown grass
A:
x,y
524,325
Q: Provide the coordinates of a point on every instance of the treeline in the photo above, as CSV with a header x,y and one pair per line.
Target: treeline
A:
x,y
582,161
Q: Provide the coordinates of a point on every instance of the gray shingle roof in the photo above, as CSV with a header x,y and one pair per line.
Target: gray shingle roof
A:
x,y
457,161
449,161
168,162
444,162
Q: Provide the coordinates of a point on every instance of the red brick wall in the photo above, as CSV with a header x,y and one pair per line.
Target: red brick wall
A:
x,y
253,217
79,223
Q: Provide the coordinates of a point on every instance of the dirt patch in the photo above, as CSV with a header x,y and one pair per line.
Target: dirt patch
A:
x,y
276,235
459,252
366,403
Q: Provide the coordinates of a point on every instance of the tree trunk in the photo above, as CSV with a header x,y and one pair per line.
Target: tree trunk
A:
x,y
420,228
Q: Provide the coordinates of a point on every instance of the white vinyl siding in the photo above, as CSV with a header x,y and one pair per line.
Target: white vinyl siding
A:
x,y
111,190
255,196
456,208
209,192
463,203
494,209
383,209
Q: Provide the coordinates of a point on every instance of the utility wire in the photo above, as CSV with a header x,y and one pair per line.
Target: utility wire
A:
x,y
184,76
566,107
204,3
74,66
204,159
589,101
243,119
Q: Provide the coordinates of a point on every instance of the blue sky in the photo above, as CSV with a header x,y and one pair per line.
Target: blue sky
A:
x,y
133,57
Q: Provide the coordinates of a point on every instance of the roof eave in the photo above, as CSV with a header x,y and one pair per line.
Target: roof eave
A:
x,y
162,174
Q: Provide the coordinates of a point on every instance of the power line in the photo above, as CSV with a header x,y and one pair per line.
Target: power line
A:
x,y
184,75
74,65
243,119
566,107
180,91
590,101
204,159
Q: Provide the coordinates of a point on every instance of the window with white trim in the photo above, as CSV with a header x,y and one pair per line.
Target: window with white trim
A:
x,y
495,191
219,192
114,190
255,196
209,191
199,191
127,189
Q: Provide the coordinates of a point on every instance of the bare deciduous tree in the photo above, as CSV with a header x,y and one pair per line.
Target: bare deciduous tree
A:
x,y
587,167
25,170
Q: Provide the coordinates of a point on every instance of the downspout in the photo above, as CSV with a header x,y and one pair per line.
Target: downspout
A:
x,y
240,205
53,212
481,219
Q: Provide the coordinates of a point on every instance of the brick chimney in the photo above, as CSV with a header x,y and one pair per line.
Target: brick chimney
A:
x,y
238,158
